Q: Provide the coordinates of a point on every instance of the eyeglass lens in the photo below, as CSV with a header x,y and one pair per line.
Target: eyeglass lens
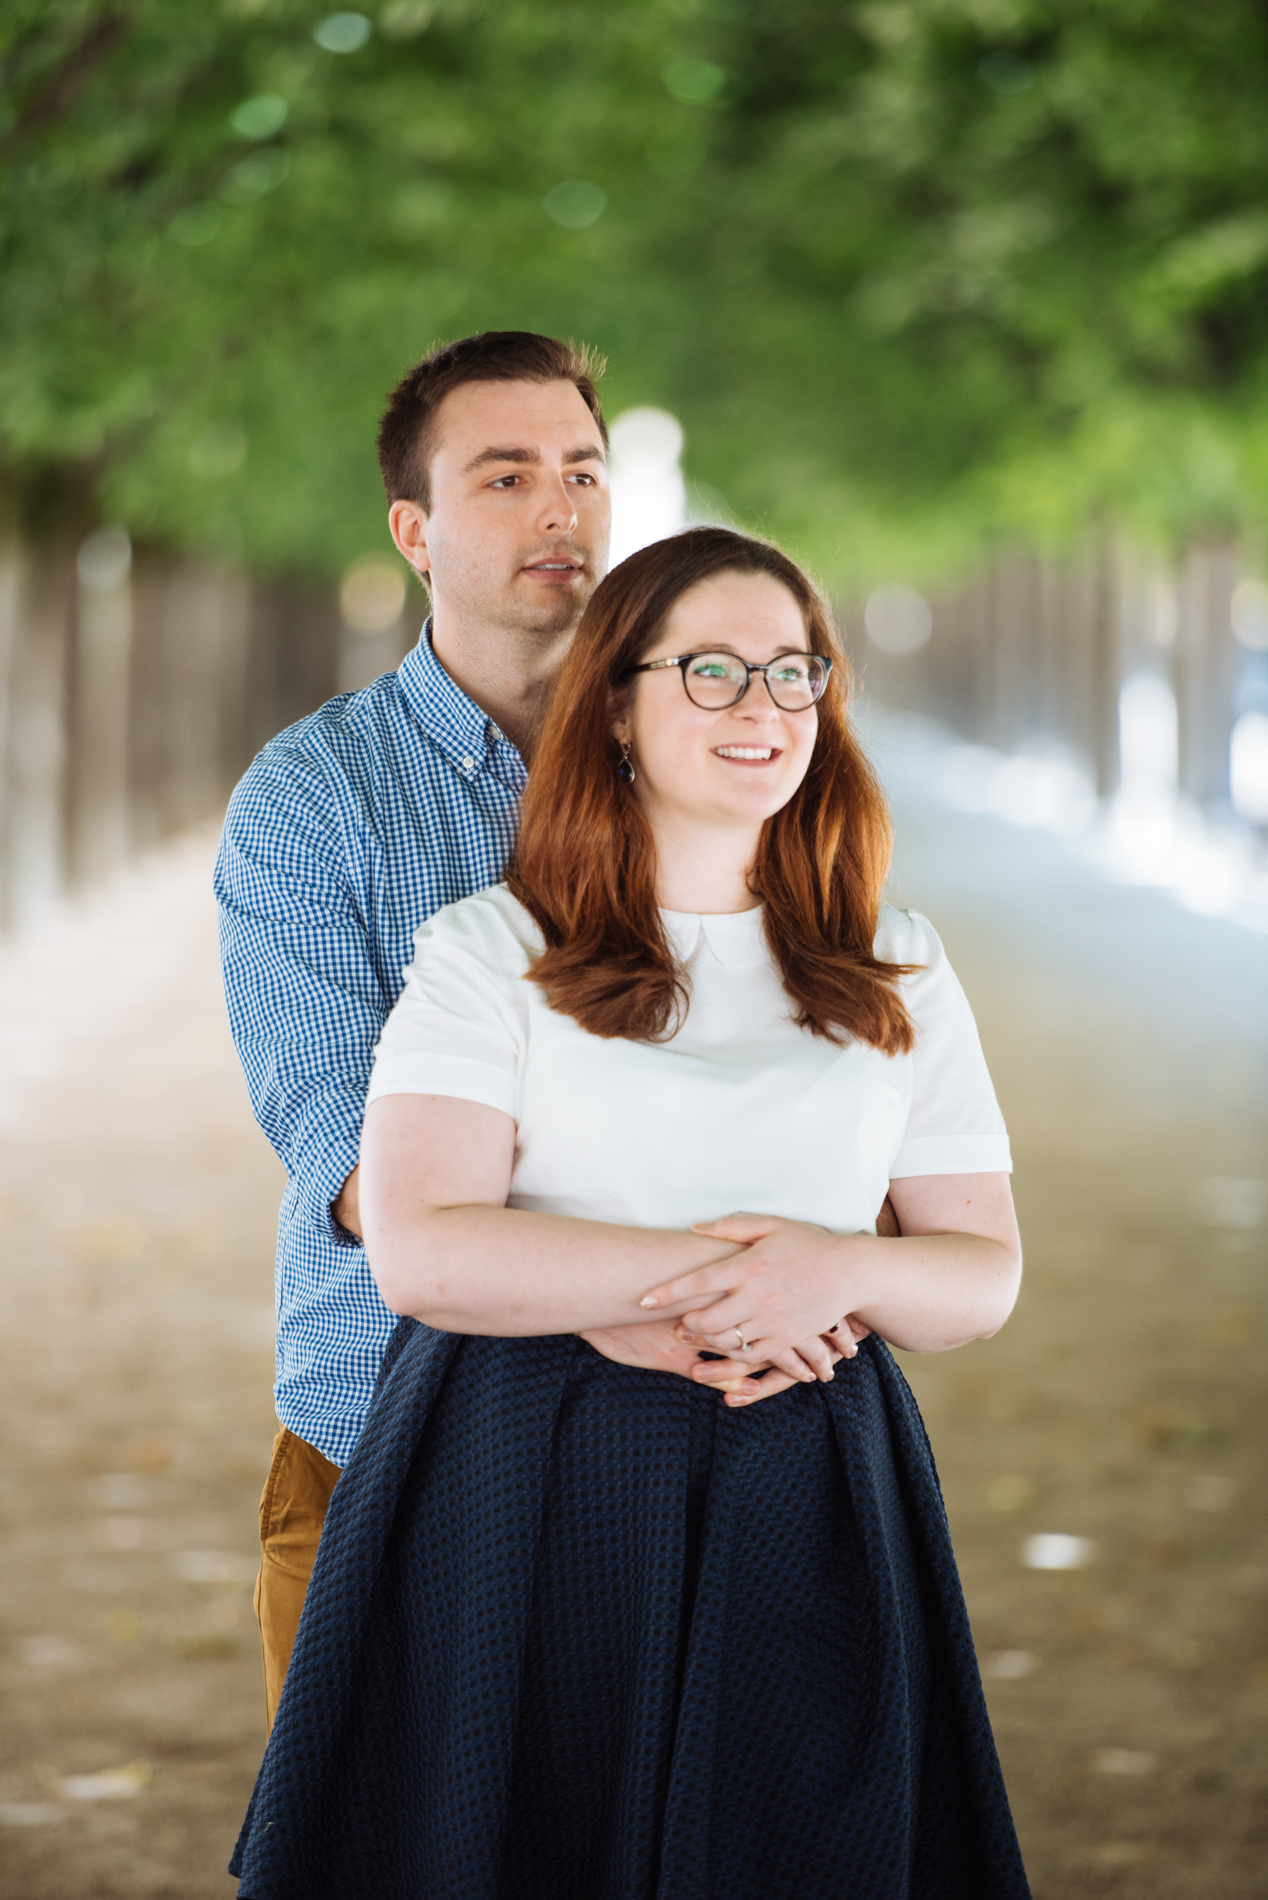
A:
x,y
716,680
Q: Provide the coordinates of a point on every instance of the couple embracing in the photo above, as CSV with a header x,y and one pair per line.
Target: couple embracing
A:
x,y
590,1080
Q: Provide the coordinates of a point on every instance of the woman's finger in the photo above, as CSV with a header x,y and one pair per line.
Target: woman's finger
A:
x,y
730,1314
692,1286
739,1228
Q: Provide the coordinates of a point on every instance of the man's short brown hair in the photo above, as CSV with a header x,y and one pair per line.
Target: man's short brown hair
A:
x,y
407,433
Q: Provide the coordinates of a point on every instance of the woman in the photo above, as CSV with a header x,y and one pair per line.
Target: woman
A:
x,y
583,1627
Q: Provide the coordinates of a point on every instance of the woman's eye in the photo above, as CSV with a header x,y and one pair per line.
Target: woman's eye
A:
x,y
711,670
790,675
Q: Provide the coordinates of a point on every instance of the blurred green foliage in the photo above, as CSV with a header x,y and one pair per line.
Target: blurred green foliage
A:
x,y
914,273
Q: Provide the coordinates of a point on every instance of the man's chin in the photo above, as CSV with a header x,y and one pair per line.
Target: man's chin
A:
x,y
550,610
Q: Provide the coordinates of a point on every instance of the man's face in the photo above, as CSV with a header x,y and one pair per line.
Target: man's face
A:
x,y
517,535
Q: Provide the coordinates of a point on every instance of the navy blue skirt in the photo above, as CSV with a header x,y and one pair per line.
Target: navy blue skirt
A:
x,y
580,1632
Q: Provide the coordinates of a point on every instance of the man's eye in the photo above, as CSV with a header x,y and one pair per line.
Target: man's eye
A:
x,y
505,481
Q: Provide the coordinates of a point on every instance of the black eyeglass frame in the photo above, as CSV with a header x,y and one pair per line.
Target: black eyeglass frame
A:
x,y
683,660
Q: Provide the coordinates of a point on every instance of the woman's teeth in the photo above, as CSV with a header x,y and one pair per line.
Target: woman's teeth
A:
x,y
744,751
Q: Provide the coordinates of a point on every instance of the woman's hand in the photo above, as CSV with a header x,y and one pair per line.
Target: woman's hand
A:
x,y
781,1297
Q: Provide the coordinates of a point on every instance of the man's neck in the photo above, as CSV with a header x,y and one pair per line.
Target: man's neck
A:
x,y
506,672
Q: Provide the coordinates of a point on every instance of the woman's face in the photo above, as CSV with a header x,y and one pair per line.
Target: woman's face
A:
x,y
734,767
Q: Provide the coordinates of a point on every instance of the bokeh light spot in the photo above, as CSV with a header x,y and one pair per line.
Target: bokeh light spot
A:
x,y
1006,73
1248,767
1250,614
1010,1665
575,204
696,82
104,560
220,449
372,594
196,225
1056,1550
261,116
1009,1494
899,620
252,177
343,32
405,19
1123,1761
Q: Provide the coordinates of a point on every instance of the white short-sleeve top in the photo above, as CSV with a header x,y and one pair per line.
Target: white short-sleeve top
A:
x,y
740,1110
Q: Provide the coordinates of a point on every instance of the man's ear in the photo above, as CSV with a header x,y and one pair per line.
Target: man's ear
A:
x,y
409,531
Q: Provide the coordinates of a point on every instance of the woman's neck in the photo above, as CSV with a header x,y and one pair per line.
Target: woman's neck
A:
x,y
704,872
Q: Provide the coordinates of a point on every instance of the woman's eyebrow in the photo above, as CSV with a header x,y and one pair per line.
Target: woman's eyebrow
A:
x,y
720,646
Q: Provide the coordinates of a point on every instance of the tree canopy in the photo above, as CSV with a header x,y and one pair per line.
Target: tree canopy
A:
x,y
912,272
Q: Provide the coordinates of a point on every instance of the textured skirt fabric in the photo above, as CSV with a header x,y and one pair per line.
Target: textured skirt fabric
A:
x,y
581,1632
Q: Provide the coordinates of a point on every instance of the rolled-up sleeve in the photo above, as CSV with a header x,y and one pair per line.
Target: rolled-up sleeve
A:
x,y
305,1003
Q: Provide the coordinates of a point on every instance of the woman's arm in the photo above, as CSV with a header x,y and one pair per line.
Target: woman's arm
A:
x,y
952,1276
444,1247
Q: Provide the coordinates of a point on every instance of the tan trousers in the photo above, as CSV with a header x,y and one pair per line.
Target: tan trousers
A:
x,y
292,1512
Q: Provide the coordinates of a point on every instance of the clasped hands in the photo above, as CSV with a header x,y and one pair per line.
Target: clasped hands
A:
x,y
783,1295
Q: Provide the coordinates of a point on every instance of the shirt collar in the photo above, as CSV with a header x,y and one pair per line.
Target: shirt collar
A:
x,y
459,728
736,938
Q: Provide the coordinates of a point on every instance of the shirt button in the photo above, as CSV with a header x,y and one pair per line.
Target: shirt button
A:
x,y
468,764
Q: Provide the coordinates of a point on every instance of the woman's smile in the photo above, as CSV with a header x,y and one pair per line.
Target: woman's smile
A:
x,y
748,754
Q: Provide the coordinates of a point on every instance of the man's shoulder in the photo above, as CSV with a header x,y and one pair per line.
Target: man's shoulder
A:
x,y
340,749
348,728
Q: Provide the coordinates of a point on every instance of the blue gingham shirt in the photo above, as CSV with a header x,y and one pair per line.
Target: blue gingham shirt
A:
x,y
348,830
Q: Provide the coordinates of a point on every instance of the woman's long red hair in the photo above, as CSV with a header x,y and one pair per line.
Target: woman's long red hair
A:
x,y
585,863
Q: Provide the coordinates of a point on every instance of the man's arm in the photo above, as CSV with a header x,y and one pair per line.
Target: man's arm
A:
x,y
347,1209
305,1003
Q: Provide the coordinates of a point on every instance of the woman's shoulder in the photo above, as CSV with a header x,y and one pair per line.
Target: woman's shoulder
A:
x,y
905,936
489,927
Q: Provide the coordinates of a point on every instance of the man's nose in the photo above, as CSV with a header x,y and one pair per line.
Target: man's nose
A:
x,y
559,509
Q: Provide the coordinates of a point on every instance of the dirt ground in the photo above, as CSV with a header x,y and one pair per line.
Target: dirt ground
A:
x,y
1122,1405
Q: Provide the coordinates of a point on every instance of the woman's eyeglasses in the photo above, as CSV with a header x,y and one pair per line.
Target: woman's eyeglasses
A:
x,y
714,681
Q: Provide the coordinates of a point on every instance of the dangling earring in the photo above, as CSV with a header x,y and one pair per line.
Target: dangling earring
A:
x,y
625,769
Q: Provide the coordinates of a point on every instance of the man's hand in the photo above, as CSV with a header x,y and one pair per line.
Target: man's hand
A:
x,y
347,1209
662,1345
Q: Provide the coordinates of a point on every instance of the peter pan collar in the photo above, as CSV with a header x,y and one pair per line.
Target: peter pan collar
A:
x,y
736,938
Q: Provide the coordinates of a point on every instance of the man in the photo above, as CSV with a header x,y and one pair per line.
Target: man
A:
x,y
357,823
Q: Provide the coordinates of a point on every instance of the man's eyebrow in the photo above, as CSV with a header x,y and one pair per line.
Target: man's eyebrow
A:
x,y
503,455
531,457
